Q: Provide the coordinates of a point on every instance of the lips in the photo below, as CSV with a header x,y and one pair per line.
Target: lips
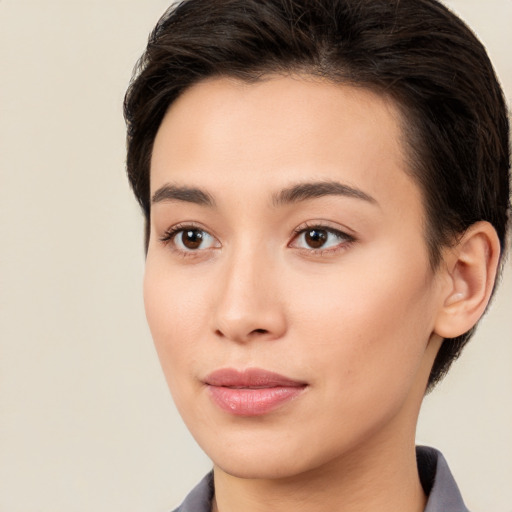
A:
x,y
251,392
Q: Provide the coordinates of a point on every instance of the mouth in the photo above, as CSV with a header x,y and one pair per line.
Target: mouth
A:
x,y
251,392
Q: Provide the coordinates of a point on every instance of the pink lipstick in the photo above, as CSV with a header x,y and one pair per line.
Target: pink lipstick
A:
x,y
251,392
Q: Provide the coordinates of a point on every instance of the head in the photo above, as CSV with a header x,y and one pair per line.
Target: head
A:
x,y
414,53
326,192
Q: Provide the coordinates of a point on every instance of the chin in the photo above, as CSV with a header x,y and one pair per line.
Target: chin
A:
x,y
265,457
263,467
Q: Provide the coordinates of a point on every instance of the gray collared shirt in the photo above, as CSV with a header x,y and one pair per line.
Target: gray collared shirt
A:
x,y
436,478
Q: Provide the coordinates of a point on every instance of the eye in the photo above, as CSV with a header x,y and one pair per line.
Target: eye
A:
x,y
189,239
321,238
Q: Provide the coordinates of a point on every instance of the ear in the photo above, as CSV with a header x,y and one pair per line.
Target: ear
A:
x,y
469,274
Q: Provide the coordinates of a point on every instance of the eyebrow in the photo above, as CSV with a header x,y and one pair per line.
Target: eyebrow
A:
x,y
316,189
293,194
183,193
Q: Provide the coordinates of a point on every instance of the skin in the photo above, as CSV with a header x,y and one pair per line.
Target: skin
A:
x,y
355,321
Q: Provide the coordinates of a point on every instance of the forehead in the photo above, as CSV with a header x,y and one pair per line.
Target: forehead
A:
x,y
225,135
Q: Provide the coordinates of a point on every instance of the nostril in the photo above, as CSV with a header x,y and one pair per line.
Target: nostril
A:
x,y
260,331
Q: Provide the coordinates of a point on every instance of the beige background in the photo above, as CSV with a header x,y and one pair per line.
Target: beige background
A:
x,y
86,422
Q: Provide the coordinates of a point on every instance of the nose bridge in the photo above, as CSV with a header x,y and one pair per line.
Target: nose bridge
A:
x,y
248,302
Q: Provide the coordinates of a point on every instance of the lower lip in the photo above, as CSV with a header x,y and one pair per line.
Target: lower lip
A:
x,y
253,402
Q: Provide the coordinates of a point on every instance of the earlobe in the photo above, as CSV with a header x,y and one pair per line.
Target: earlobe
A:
x,y
470,269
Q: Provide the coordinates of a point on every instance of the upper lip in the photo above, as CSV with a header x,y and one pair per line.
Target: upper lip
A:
x,y
250,378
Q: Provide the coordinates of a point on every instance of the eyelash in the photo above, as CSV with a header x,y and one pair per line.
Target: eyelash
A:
x,y
348,240
174,230
171,233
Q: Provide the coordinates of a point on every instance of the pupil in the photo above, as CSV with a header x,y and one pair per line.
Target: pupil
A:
x,y
192,238
315,238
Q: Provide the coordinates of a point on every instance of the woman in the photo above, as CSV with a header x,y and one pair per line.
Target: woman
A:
x,y
326,193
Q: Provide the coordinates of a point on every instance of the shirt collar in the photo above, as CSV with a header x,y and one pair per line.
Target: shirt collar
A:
x,y
438,482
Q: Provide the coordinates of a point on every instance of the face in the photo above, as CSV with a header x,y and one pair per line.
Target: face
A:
x,y
288,287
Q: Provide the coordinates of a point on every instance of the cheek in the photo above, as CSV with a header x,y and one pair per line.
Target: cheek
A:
x,y
366,328
364,352
176,315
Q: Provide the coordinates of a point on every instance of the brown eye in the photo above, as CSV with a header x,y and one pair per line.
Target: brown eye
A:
x,y
192,238
315,238
322,239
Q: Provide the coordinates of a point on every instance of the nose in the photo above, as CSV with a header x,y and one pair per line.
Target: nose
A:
x,y
249,305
